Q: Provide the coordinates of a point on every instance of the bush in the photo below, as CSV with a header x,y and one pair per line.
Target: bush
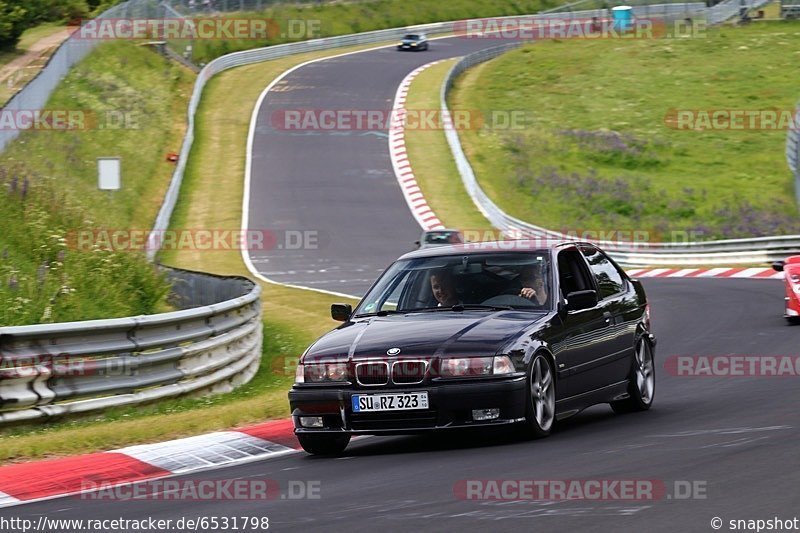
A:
x,y
13,21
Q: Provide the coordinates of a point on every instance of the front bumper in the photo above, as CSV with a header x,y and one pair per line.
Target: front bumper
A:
x,y
450,406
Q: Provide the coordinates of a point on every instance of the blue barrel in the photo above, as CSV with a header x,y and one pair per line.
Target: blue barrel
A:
x,y
623,18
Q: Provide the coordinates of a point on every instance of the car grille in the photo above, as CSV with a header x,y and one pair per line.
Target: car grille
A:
x,y
408,372
393,420
372,373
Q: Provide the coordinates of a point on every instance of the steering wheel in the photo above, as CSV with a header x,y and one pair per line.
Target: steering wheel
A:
x,y
510,299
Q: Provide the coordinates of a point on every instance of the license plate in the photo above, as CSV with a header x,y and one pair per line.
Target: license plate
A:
x,y
370,403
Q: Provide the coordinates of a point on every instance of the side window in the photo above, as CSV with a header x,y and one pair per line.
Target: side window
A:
x,y
609,280
572,273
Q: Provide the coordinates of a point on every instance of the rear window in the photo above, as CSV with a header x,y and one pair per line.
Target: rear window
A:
x,y
442,237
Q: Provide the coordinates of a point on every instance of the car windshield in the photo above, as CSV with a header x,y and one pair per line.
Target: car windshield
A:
x,y
411,37
442,237
502,280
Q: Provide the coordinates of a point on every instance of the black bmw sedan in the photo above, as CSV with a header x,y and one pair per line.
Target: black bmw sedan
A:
x,y
413,41
481,334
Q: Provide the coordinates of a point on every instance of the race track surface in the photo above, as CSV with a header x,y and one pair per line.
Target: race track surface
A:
x,y
737,437
337,186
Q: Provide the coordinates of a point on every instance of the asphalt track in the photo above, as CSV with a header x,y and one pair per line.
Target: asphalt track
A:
x,y
337,187
735,437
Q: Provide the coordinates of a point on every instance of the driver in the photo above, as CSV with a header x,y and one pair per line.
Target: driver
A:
x,y
532,285
443,287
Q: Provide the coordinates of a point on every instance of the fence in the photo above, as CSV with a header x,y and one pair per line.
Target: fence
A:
x,y
212,344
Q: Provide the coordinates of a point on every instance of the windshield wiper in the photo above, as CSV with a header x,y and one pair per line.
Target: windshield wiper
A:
x,y
462,307
382,312
457,307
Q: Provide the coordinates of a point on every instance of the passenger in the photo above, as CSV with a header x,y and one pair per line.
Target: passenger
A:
x,y
533,287
444,288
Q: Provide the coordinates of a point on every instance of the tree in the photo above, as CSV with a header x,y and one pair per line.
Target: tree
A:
x,y
13,21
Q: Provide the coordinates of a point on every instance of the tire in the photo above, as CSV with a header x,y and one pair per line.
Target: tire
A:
x,y
641,382
324,444
792,320
540,412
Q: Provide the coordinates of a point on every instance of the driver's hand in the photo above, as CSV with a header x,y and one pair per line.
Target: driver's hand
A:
x,y
528,293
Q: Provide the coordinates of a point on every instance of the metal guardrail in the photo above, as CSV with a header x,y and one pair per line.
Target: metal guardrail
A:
x,y
213,344
731,8
729,251
793,152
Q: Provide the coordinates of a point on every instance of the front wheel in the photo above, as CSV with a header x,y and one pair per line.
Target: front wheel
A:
x,y
324,444
642,382
541,408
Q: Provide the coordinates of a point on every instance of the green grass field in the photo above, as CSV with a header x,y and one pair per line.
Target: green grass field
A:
x,y
593,151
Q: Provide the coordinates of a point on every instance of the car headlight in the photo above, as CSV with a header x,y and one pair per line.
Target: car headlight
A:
x,y
503,365
475,366
795,283
413,44
321,373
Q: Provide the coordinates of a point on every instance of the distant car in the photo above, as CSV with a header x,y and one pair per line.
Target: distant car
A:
x,y
439,237
533,335
791,279
413,41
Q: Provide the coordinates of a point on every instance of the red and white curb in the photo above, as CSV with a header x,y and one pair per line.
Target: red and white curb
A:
x,y
27,482
419,207
719,272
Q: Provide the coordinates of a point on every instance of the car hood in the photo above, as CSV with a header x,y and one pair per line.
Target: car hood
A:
x,y
429,334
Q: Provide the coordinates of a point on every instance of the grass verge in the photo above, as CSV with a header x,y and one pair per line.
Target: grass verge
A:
x,y
432,160
597,151
50,200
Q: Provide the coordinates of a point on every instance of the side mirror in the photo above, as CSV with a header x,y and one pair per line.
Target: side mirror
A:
x,y
341,312
778,265
581,300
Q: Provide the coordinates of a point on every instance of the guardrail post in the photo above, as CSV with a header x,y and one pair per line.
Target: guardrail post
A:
x,y
793,151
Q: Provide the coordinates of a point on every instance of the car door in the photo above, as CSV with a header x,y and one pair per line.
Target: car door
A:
x,y
615,303
582,338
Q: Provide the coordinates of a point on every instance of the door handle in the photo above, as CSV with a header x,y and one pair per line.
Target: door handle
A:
x,y
607,316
